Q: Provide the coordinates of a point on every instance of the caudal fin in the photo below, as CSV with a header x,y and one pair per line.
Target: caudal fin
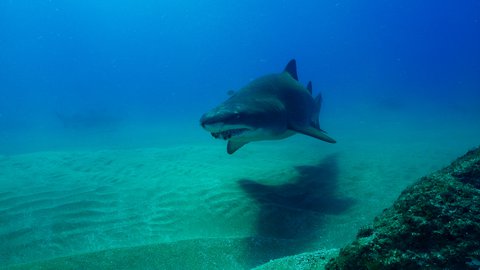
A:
x,y
315,122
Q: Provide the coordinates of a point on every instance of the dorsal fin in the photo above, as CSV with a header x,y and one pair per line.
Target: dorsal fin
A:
x,y
309,87
291,69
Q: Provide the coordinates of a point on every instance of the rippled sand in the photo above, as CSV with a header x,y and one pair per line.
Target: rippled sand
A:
x,y
194,205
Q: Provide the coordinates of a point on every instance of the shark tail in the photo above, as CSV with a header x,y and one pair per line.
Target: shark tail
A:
x,y
314,130
315,122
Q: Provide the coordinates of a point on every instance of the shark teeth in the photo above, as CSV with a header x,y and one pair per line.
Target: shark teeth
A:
x,y
227,134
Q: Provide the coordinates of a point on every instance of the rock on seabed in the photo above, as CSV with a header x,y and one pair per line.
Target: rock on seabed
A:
x,y
434,224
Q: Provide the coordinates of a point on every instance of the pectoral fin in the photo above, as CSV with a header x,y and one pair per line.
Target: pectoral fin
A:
x,y
232,147
313,132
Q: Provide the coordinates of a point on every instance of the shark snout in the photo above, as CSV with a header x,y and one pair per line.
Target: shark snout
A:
x,y
217,119
209,120
223,124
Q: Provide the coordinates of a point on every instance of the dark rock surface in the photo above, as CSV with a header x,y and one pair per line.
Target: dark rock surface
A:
x,y
434,224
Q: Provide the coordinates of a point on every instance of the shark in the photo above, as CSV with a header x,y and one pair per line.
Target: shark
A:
x,y
271,107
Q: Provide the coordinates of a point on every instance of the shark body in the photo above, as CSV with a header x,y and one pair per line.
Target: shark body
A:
x,y
271,107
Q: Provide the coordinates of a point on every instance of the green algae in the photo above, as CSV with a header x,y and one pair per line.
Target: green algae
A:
x,y
434,224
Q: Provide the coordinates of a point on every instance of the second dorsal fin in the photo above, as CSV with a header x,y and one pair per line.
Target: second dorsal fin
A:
x,y
291,69
309,87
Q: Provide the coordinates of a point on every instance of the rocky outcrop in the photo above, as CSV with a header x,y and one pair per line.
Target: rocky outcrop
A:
x,y
434,224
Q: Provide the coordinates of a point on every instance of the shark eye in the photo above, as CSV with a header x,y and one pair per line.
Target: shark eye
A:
x,y
236,115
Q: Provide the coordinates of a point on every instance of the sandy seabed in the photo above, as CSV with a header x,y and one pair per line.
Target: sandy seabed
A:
x,y
192,206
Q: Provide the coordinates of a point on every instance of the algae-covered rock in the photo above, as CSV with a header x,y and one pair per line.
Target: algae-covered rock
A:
x,y
434,224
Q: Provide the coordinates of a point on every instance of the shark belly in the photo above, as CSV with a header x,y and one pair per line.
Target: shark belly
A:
x,y
265,136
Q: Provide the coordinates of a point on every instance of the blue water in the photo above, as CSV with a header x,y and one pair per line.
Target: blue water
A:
x,y
400,82
150,62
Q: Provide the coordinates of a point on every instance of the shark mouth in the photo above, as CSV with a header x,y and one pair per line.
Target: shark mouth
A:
x,y
228,134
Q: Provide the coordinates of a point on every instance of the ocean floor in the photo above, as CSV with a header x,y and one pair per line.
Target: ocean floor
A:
x,y
193,205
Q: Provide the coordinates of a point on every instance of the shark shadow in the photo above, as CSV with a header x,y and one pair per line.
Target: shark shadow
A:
x,y
294,212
